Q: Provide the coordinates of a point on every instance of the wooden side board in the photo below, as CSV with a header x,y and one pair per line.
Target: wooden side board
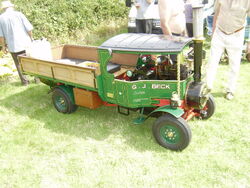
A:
x,y
69,73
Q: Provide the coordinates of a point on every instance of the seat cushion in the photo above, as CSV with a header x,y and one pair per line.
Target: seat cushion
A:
x,y
113,67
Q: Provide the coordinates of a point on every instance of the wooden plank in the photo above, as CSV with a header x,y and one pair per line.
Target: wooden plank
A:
x,y
81,52
77,75
68,73
57,52
36,67
124,59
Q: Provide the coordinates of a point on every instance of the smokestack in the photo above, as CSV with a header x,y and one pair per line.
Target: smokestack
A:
x,y
198,40
198,21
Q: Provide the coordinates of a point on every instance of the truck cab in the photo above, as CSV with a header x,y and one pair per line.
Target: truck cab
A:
x,y
148,69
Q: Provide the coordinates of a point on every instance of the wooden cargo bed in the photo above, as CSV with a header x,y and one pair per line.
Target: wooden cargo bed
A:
x,y
70,63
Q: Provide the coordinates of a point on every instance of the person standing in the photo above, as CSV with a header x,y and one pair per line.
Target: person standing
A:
x,y
189,17
228,34
247,36
144,16
15,34
172,17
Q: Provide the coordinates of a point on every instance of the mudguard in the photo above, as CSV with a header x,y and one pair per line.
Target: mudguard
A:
x,y
68,90
176,112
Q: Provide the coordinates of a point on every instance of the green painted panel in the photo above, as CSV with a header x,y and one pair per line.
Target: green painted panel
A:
x,y
177,112
106,79
69,91
141,93
134,94
49,79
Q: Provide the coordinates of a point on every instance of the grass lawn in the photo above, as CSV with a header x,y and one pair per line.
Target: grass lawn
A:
x,y
40,147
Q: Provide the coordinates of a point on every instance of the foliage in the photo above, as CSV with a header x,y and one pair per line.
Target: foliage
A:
x,y
61,18
7,67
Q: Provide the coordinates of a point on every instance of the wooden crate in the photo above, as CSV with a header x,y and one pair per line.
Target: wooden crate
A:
x,y
89,99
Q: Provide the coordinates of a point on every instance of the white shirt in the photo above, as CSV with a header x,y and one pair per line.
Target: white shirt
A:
x,y
145,10
232,14
14,27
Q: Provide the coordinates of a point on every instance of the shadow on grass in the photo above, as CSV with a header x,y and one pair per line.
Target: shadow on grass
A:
x,y
218,94
99,124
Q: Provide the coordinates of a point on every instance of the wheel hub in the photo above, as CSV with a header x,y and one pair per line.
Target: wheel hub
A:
x,y
60,102
170,134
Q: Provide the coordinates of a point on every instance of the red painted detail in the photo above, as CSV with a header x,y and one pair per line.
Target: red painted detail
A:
x,y
59,84
162,102
189,112
109,104
205,108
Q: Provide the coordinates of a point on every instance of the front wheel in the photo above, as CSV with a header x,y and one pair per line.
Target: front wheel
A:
x,y
171,132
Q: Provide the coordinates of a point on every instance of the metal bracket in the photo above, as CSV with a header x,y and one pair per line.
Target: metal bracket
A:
x,y
123,110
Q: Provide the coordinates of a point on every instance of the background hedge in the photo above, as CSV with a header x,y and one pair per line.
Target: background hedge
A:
x,y
62,18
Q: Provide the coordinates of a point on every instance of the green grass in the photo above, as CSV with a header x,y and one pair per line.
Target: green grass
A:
x,y
40,147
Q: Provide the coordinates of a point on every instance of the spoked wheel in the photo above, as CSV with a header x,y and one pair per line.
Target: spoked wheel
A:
x,y
171,132
209,108
62,101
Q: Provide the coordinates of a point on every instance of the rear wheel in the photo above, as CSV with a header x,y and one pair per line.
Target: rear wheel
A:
x,y
171,132
209,108
62,101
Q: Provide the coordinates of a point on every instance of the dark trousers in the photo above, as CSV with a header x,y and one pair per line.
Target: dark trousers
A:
x,y
144,26
189,27
18,67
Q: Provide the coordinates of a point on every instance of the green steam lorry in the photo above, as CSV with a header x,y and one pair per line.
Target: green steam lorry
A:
x,y
150,74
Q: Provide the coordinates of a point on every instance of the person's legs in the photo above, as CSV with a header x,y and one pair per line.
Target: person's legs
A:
x,y
234,49
148,26
139,26
248,51
247,39
217,48
21,76
189,27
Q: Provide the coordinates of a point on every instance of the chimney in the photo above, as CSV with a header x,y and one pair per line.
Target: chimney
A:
x,y
198,40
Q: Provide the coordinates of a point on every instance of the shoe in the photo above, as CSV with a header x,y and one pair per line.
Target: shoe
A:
x,y
37,80
209,90
248,57
229,96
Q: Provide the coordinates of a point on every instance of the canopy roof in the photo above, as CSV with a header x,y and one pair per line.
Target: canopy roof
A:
x,y
145,43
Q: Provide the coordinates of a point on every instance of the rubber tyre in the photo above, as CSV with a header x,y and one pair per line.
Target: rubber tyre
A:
x,y
62,101
209,108
171,132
